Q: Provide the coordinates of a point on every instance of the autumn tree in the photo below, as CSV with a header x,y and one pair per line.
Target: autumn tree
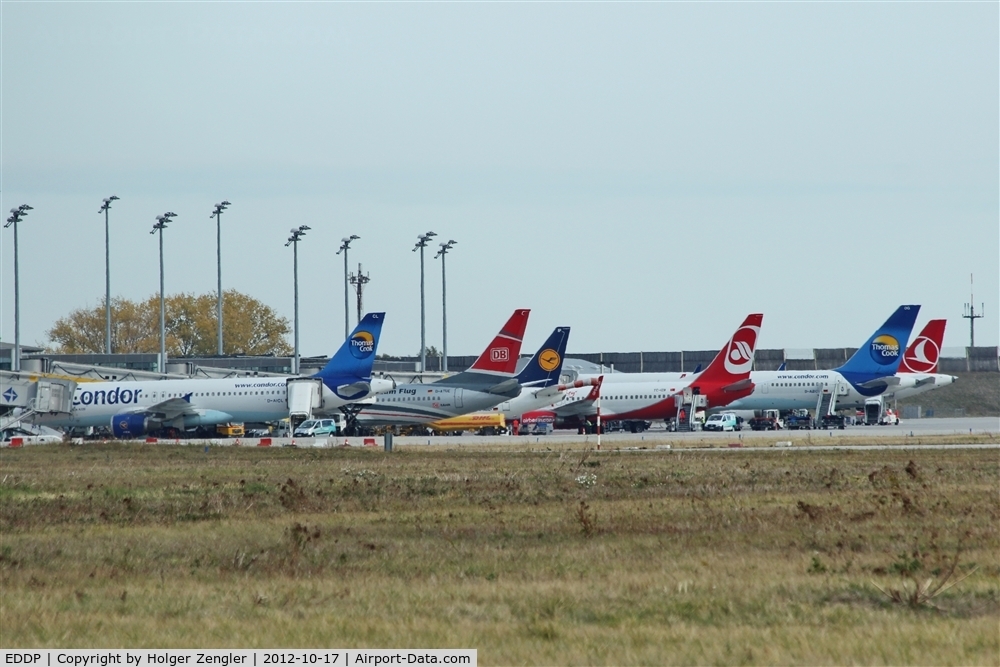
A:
x,y
248,327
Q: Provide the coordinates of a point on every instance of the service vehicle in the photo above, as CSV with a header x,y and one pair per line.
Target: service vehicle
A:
x,y
230,430
798,419
833,421
890,418
722,421
318,428
766,420
482,423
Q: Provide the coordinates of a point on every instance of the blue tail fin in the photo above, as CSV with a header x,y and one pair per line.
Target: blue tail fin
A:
x,y
355,357
544,368
880,356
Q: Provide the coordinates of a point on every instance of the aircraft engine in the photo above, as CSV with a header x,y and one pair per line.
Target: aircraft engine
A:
x,y
129,425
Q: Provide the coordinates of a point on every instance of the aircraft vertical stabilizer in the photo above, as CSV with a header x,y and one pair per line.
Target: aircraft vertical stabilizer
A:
x,y
735,360
501,355
544,368
922,354
355,357
880,356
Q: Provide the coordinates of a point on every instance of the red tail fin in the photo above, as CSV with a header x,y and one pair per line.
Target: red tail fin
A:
x,y
501,355
922,354
734,361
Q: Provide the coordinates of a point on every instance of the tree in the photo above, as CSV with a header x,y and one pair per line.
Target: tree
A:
x,y
248,327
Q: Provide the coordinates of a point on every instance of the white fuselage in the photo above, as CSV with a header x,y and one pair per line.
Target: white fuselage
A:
x,y
530,399
424,403
212,401
912,384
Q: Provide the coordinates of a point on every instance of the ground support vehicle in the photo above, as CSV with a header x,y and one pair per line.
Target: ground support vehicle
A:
x,y
766,420
798,419
723,421
833,421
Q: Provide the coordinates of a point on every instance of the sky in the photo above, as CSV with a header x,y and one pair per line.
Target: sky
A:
x,y
647,174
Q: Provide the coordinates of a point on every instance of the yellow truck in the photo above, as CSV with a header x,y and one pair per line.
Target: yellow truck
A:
x,y
229,430
483,423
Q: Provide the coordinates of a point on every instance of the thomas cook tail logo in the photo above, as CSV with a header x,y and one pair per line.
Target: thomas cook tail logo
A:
x,y
548,360
885,349
739,354
922,356
362,345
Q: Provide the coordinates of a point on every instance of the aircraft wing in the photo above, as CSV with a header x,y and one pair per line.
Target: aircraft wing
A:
x,y
166,410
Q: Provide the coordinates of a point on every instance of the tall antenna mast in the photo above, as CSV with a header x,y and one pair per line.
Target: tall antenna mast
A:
x,y
359,281
971,314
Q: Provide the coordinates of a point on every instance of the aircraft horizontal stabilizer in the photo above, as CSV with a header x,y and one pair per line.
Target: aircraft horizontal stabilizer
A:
x,y
354,389
505,387
742,385
889,381
925,381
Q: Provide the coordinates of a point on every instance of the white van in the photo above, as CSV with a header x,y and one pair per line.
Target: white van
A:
x,y
723,421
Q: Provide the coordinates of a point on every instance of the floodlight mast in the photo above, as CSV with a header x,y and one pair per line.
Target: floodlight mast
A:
x,y
444,248
16,215
217,214
105,207
293,240
161,224
421,244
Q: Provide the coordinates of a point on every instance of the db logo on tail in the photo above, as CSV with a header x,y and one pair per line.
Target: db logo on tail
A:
x,y
499,354
739,354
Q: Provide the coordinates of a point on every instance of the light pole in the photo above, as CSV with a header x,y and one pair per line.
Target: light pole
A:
x,y
345,244
445,247
293,240
105,207
161,224
421,244
217,214
16,214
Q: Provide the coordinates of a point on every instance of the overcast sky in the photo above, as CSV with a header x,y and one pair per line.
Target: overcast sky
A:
x,y
647,174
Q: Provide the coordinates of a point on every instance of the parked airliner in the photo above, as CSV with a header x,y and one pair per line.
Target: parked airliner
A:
x,y
918,371
871,371
132,409
726,379
488,382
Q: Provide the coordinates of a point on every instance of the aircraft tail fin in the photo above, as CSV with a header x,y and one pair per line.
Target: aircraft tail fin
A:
x,y
735,360
922,354
544,368
501,355
356,356
881,354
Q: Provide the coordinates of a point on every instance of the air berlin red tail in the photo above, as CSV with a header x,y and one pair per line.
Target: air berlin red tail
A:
x,y
922,354
501,355
734,361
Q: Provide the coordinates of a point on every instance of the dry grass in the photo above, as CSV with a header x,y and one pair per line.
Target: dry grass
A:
x,y
533,557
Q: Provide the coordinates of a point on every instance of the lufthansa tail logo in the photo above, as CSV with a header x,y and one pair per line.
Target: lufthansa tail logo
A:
x,y
548,360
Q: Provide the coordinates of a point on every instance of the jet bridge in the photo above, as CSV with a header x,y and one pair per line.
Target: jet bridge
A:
x,y
31,395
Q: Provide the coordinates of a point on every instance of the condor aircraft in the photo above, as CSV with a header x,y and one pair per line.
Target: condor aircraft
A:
x,y
726,379
488,382
871,371
134,408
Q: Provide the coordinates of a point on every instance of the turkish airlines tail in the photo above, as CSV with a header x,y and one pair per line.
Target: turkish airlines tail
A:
x,y
734,361
502,354
922,354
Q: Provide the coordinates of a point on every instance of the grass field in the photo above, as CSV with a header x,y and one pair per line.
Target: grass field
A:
x,y
557,556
